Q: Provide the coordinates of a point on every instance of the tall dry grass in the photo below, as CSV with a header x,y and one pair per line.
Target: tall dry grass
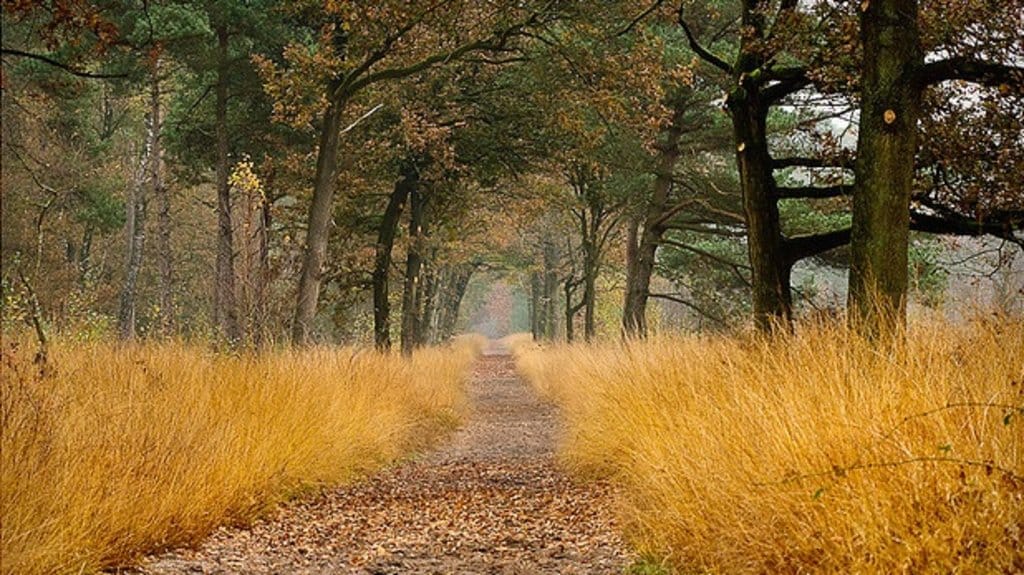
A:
x,y
816,453
123,450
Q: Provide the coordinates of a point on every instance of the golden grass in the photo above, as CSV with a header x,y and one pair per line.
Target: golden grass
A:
x,y
815,453
126,450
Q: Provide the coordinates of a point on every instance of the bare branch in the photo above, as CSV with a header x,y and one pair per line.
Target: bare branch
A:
x,y
814,192
691,305
650,9
797,248
361,118
700,50
970,70
801,162
66,67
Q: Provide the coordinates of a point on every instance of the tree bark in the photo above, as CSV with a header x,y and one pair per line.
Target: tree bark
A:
x,y
589,307
591,268
550,295
136,228
772,297
886,146
225,309
454,292
163,198
634,313
319,227
426,301
748,106
536,287
413,264
570,310
382,261
85,257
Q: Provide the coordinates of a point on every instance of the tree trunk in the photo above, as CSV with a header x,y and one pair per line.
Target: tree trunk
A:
x,y
535,305
454,293
569,286
550,296
426,300
259,328
413,263
136,228
591,268
434,309
886,145
638,286
772,298
163,217
382,261
589,305
319,227
225,309
85,257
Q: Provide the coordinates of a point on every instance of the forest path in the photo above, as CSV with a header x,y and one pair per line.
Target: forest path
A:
x,y
491,500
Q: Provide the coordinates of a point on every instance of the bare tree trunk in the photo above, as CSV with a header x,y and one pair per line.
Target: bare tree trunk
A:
x,y
319,227
382,261
250,241
85,257
163,198
535,305
136,227
413,263
589,305
453,295
427,296
772,297
225,308
569,287
259,327
886,145
550,257
644,242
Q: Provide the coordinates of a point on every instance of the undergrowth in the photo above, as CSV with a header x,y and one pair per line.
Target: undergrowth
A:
x,y
114,451
813,453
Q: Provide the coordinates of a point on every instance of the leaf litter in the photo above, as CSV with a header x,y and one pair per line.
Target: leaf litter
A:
x,y
491,500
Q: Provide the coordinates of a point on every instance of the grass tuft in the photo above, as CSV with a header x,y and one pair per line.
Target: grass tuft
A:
x,y
813,453
124,450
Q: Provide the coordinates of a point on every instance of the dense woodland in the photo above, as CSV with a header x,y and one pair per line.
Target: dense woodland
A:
x,y
255,172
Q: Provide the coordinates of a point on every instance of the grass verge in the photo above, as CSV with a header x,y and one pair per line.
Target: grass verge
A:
x,y
814,453
124,450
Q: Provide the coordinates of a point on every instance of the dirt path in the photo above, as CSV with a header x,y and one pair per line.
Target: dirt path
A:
x,y
490,501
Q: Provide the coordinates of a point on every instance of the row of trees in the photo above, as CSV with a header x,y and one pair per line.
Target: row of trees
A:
x,y
314,165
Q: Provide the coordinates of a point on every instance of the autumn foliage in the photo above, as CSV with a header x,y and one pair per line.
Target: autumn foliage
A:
x,y
816,453
118,451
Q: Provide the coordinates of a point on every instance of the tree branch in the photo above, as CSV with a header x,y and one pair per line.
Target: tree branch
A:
x,y
650,9
736,267
700,50
797,248
803,162
971,70
690,305
67,68
959,225
814,192
779,90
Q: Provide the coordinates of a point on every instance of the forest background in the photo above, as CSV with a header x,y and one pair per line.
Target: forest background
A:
x,y
257,171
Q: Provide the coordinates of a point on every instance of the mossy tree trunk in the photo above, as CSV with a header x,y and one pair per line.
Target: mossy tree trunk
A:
x,y
887,143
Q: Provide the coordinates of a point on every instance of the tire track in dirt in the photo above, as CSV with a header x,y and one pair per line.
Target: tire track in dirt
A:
x,y
491,500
